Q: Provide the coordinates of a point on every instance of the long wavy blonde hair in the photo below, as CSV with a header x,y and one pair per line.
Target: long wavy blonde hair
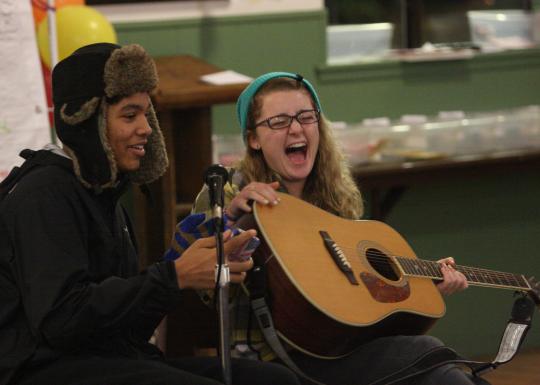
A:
x,y
329,185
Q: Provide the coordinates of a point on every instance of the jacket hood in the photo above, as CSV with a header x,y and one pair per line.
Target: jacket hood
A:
x,y
84,84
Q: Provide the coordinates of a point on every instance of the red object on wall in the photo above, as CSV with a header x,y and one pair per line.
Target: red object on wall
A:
x,y
48,91
39,7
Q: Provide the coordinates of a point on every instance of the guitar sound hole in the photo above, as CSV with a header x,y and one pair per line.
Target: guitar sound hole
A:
x,y
381,263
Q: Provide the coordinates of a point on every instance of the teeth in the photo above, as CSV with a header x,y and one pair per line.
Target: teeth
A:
x,y
297,145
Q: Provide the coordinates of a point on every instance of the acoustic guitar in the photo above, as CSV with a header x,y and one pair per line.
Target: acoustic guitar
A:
x,y
336,283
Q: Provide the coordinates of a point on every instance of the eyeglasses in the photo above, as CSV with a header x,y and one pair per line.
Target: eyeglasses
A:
x,y
284,121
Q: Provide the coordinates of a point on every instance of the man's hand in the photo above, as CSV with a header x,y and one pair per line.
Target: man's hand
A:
x,y
453,280
195,268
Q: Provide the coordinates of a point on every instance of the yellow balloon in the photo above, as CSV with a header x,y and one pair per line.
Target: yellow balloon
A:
x,y
76,26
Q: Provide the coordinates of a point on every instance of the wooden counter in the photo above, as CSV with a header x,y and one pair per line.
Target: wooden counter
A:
x,y
384,182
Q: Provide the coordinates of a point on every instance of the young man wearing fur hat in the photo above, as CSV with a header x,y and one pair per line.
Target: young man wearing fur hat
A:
x,y
73,307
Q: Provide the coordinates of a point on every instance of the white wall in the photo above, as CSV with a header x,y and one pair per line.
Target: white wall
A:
x,y
156,10
23,107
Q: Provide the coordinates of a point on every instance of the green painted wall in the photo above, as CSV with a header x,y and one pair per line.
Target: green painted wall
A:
x,y
485,82
296,42
250,45
490,222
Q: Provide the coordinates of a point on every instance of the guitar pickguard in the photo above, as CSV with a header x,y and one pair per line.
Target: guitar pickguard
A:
x,y
382,291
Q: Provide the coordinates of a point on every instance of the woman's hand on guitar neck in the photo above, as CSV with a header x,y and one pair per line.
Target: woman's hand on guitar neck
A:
x,y
453,281
263,193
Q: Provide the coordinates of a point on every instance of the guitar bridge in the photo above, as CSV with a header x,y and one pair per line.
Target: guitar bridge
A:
x,y
339,257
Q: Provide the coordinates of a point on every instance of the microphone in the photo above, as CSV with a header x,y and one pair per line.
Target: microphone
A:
x,y
215,178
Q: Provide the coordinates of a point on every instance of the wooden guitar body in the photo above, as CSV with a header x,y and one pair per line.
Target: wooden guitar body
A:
x,y
315,306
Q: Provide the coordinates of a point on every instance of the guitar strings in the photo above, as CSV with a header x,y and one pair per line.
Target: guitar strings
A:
x,y
384,261
382,257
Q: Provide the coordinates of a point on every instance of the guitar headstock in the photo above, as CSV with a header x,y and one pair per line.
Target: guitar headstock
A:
x,y
534,293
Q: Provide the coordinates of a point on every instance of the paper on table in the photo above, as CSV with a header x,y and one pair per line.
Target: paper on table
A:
x,y
225,77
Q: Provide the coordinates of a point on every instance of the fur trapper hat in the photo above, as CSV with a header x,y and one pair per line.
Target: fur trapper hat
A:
x,y
83,83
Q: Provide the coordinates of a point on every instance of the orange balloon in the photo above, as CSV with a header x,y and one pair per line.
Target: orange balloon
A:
x,y
39,10
39,7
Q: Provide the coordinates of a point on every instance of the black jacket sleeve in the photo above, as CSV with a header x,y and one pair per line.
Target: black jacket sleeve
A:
x,y
58,258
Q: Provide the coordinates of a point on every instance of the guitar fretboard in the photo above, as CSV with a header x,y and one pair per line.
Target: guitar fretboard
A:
x,y
475,276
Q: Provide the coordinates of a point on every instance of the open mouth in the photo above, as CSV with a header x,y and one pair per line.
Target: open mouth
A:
x,y
137,149
296,152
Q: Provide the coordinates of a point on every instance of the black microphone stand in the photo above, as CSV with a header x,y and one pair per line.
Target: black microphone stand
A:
x,y
215,178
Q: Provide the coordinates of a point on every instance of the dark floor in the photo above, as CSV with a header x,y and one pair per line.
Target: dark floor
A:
x,y
524,369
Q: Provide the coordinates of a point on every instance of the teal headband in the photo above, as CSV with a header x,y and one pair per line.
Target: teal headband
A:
x,y
244,100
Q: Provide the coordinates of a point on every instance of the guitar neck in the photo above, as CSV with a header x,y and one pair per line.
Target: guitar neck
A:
x,y
475,276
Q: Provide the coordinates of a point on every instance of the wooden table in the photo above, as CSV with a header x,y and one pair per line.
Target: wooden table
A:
x,y
183,104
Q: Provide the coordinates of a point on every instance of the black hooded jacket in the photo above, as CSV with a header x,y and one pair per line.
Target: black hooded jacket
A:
x,y
69,279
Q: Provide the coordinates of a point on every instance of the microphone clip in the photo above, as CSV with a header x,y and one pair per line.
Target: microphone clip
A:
x,y
215,178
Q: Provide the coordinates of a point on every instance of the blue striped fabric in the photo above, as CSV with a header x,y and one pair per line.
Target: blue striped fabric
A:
x,y
190,229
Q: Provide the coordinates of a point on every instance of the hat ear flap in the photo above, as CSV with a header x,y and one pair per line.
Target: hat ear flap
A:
x,y
94,169
85,111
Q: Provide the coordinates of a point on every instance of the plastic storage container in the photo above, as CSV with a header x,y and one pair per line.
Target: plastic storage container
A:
x,y
355,42
354,141
518,128
501,29
227,149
